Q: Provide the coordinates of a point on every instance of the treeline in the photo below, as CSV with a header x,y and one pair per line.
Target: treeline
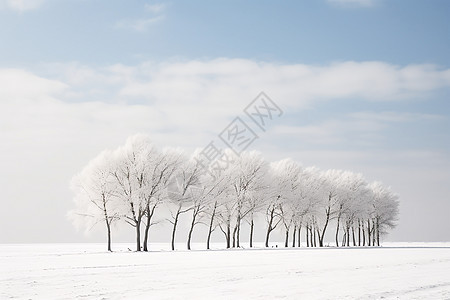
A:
x,y
133,185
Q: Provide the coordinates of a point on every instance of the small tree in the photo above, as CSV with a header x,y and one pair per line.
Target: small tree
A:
x,y
159,169
184,186
130,173
95,195
385,210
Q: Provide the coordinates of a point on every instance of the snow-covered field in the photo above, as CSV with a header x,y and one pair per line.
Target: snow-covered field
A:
x,y
86,271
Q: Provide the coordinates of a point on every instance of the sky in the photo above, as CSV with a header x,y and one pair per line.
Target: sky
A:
x,y
363,84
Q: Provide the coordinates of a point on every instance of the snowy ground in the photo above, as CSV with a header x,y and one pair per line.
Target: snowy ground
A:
x,y
86,271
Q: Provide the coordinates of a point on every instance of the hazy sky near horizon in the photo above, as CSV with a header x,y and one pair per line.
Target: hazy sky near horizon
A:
x,y
364,86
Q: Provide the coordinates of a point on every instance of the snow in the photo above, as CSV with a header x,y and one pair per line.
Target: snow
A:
x,y
86,271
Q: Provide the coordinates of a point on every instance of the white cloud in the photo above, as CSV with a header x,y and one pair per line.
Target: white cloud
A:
x,y
21,5
20,85
215,91
293,85
360,3
360,128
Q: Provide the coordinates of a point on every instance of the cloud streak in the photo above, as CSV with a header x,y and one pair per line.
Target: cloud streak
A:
x,y
139,25
353,3
155,8
21,5
156,12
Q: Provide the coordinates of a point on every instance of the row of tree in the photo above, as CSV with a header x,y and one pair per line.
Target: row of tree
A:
x,y
137,183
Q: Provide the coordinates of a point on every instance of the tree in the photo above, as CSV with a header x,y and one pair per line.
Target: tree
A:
x,y
184,186
256,201
276,193
318,194
131,182
385,209
307,197
248,181
353,188
214,187
287,178
130,172
159,169
95,195
245,175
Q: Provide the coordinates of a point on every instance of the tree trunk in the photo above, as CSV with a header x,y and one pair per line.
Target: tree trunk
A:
x,y
293,236
337,230
267,237
211,224
146,231
369,236
108,224
307,235
269,227
138,236
314,233
378,232
252,225
286,239
348,236
174,229
108,227
228,235
147,226
359,233
238,232
353,236
373,233
320,240
321,237
298,240
234,236
194,217
363,235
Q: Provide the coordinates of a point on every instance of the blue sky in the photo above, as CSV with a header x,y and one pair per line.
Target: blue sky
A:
x,y
364,85
399,32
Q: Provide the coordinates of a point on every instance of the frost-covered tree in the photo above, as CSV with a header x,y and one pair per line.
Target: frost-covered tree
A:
x,y
205,200
213,194
287,177
133,169
279,184
96,195
131,182
385,210
159,169
184,187
245,174
307,196
328,190
350,204
248,181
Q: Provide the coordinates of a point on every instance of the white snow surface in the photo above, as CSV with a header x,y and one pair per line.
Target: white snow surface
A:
x,y
87,271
